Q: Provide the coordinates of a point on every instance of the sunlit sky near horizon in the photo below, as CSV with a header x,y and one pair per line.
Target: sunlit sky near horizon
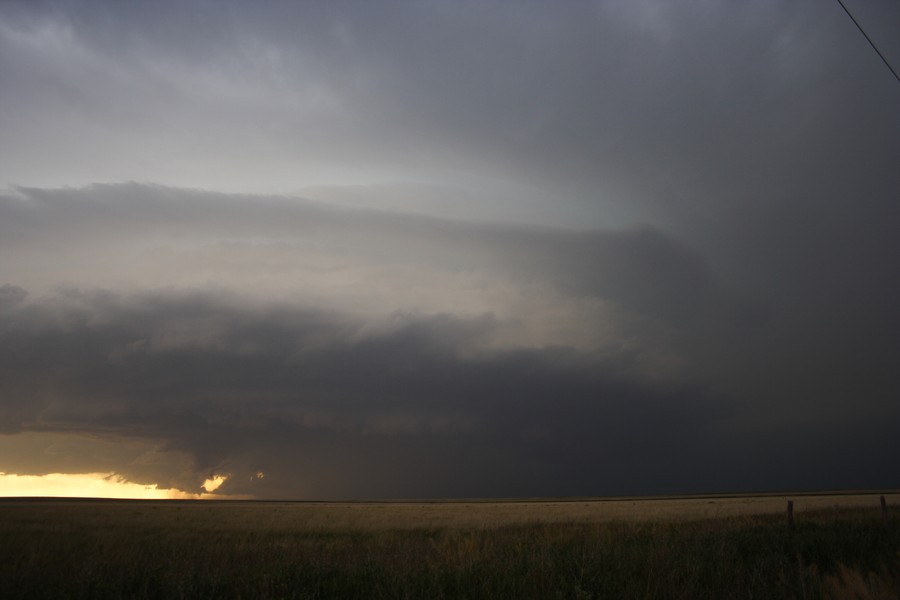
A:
x,y
349,250
95,485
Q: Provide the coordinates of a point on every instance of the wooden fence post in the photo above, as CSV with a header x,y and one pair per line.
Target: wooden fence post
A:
x,y
883,509
790,514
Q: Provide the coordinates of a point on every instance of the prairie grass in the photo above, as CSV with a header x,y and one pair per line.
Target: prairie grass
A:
x,y
139,549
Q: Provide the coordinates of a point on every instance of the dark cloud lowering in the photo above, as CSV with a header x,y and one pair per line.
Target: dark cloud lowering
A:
x,y
339,392
435,249
420,411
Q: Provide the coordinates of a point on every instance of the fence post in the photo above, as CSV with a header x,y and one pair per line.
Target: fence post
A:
x,y
790,514
883,509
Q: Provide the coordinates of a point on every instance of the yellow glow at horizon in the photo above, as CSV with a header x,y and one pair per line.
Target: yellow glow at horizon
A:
x,y
93,485
211,485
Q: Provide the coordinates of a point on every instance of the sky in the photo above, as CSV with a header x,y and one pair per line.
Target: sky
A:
x,y
358,250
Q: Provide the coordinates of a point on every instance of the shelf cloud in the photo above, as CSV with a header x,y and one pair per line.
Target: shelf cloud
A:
x,y
334,250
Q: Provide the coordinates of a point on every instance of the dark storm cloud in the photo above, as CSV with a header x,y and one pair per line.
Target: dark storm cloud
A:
x,y
424,402
367,407
643,270
639,289
418,411
227,385
705,286
616,112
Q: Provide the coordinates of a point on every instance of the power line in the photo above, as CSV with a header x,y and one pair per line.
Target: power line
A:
x,y
871,43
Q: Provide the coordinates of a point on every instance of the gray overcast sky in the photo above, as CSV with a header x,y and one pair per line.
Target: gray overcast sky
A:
x,y
431,249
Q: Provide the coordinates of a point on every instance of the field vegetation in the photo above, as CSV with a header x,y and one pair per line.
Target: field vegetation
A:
x,y
578,549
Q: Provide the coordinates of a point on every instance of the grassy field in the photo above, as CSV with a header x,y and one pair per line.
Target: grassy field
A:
x,y
715,547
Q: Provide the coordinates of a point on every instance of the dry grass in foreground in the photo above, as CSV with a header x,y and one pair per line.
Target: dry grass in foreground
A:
x,y
599,549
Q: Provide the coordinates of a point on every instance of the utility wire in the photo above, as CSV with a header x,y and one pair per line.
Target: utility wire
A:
x,y
871,43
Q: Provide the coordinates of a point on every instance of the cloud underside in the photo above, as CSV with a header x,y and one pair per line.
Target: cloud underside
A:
x,y
356,353
449,249
327,410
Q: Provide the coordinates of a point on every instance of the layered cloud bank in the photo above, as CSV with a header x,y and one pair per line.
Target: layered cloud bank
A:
x,y
330,250
350,352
